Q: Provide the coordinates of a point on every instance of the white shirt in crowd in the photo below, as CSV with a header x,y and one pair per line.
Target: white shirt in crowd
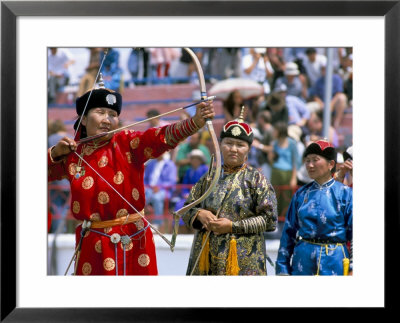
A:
x,y
56,63
313,69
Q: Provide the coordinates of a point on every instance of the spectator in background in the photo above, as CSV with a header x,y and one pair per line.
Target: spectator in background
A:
x,y
346,73
284,160
346,67
138,65
196,170
275,104
60,191
296,134
345,172
263,137
158,175
312,65
295,82
182,158
224,63
338,101
112,58
184,67
184,114
160,62
88,80
156,122
232,106
298,114
59,60
276,57
111,71
191,65
256,66
314,129
296,55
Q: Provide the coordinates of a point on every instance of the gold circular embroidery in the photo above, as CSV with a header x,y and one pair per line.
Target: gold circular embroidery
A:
x,y
128,247
86,268
109,264
135,194
135,143
95,217
107,230
139,224
87,150
128,157
103,198
144,260
97,247
148,152
122,212
72,169
236,131
103,161
76,207
118,178
87,183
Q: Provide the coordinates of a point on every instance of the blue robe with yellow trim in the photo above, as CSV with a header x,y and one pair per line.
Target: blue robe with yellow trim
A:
x,y
316,213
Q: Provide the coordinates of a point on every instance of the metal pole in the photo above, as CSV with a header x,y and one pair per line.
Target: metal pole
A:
x,y
328,93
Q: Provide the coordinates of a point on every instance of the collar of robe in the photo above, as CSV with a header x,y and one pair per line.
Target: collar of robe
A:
x,y
326,184
232,169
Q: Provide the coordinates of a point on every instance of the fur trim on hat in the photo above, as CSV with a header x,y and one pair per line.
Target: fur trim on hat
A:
x,y
99,98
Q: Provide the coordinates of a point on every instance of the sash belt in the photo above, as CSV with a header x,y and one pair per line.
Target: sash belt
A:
x,y
119,221
318,241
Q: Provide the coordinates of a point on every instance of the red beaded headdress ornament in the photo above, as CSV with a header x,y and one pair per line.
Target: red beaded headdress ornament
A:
x,y
238,129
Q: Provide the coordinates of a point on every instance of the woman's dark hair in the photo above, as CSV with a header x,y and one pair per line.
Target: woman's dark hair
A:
x,y
229,103
83,133
265,116
320,116
282,129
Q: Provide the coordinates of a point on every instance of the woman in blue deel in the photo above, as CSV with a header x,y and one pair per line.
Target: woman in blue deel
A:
x,y
319,220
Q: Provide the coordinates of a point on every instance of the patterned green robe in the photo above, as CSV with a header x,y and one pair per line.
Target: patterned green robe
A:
x,y
250,202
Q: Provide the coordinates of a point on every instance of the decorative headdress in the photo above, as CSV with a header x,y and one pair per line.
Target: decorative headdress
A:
x,y
238,129
99,97
322,148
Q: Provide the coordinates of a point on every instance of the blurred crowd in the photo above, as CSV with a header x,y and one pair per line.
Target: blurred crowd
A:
x,y
285,116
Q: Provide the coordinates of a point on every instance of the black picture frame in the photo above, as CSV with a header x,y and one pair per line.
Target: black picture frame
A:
x,y
10,10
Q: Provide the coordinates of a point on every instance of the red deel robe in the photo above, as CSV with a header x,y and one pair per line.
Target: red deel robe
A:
x,y
120,162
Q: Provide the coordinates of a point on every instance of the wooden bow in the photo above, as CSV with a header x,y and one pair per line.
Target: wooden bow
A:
x,y
203,93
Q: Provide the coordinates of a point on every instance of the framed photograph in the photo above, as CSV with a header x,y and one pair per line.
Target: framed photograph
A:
x,y
29,28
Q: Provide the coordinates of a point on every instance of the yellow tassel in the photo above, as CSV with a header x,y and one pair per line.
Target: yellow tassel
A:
x,y
346,264
232,266
204,264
